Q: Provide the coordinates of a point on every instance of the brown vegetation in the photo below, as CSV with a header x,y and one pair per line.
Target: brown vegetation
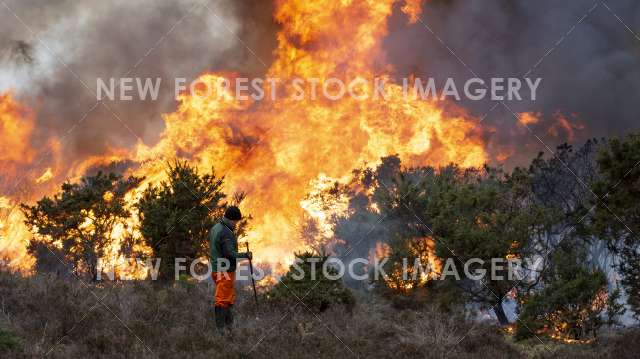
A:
x,y
42,315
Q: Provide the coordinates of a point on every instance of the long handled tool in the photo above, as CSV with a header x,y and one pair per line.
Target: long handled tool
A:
x,y
253,282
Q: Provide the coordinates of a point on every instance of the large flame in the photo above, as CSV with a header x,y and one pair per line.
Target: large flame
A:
x,y
277,151
16,126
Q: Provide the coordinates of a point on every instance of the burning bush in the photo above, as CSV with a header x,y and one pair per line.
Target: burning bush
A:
x,y
411,264
616,209
411,277
307,282
569,307
80,222
461,214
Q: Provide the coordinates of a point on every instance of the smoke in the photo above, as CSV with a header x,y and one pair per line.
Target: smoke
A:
x,y
591,74
52,54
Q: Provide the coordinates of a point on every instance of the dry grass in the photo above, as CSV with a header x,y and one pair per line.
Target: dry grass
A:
x,y
59,318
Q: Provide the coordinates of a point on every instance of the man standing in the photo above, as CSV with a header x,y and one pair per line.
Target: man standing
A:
x,y
224,255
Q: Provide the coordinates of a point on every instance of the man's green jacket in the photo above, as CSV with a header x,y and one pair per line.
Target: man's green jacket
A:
x,y
224,247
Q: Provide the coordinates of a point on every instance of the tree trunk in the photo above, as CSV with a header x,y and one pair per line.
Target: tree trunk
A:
x,y
502,317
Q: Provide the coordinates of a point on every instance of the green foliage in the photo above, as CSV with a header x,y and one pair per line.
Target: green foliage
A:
x,y
570,304
8,341
176,215
615,309
408,197
474,213
77,223
563,180
488,215
410,268
617,214
317,291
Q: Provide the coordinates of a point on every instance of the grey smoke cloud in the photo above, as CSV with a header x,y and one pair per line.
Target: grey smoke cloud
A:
x,y
592,73
50,50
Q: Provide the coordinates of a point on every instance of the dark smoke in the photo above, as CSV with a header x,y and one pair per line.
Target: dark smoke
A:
x,y
593,73
107,39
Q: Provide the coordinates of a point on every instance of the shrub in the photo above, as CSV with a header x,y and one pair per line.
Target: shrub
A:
x,y
80,221
8,341
616,217
318,292
176,215
569,306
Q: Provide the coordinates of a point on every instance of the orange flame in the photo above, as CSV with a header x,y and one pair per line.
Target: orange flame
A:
x,y
16,126
563,124
529,118
413,9
279,151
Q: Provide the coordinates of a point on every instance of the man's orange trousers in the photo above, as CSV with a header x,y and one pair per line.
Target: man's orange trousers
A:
x,y
225,288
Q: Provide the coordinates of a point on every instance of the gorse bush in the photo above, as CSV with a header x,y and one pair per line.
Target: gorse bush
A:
x,y
458,214
305,282
617,218
570,305
8,341
74,228
176,215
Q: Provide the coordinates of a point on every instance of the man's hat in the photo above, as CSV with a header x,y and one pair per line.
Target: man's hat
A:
x,y
233,213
